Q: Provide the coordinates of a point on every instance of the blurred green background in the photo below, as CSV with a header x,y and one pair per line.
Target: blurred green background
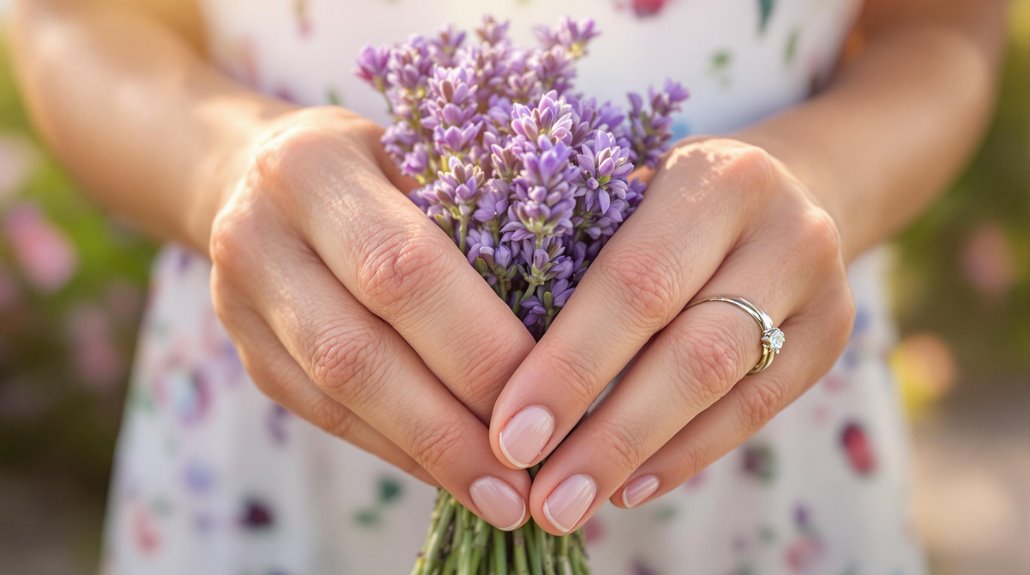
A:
x,y
72,288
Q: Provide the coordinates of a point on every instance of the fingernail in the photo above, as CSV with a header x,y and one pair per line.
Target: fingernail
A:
x,y
569,501
526,434
500,505
639,489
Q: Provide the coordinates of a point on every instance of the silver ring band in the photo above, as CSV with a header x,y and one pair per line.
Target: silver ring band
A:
x,y
772,337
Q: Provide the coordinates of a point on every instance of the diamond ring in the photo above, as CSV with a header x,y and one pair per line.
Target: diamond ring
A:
x,y
772,337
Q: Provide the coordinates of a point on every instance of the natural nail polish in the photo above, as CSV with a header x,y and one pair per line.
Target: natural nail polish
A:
x,y
639,489
500,505
526,434
569,502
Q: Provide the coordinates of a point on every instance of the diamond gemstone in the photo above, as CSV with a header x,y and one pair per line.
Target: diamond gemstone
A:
x,y
775,339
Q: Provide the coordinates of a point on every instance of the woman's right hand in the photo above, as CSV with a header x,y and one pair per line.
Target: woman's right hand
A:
x,y
352,309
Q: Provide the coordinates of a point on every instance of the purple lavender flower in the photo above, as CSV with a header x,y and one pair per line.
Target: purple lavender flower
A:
x,y
527,176
493,32
372,66
649,128
551,118
445,46
604,167
568,34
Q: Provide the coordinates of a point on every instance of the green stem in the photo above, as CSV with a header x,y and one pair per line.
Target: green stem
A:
x,y
465,558
544,550
481,534
463,232
450,566
578,554
536,565
499,552
523,296
519,551
437,524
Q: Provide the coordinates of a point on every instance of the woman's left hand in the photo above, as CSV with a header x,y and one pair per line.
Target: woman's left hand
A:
x,y
720,218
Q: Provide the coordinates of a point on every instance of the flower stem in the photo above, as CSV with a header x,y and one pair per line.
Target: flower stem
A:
x,y
536,565
546,547
499,551
519,551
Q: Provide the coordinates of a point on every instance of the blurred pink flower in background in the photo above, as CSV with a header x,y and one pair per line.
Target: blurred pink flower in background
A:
x,y
95,355
18,161
987,260
42,250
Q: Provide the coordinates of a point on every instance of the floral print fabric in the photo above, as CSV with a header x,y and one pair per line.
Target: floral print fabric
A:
x,y
213,477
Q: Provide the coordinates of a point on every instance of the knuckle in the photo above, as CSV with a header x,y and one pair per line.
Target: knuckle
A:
x,y
222,301
397,266
333,418
712,362
262,377
287,153
750,169
485,368
760,401
577,377
486,360
623,445
692,456
437,446
344,363
645,284
819,236
234,235
843,318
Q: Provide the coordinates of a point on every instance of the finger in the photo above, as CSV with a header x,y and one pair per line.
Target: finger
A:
x,y
642,278
279,377
401,266
743,411
359,361
688,366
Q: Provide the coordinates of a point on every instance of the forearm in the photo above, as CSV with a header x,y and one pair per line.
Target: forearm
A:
x,y
137,116
901,119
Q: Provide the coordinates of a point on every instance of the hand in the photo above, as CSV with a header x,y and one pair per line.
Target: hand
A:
x,y
721,217
352,309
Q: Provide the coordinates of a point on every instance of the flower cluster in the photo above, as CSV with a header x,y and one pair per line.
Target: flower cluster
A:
x,y
528,176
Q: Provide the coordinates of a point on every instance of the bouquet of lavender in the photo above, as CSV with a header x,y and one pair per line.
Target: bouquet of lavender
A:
x,y
529,178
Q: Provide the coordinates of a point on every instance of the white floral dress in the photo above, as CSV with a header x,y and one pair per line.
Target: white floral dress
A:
x,y
212,477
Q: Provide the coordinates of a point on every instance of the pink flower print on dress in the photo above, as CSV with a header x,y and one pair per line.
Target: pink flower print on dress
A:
x,y
256,515
804,554
144,530
643,8
858,448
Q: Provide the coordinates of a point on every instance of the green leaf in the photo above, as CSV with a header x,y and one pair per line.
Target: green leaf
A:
x,y
389,490
333,97
721,59
765,8
366,517
791,49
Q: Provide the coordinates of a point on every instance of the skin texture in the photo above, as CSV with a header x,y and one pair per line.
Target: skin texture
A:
x,y
350,308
